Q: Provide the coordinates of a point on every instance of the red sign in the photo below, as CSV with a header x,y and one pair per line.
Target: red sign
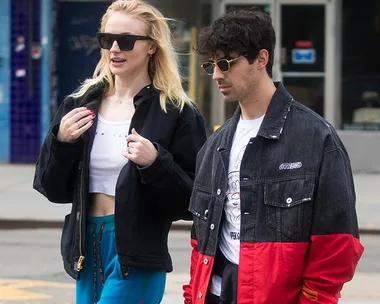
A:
x,y
304,44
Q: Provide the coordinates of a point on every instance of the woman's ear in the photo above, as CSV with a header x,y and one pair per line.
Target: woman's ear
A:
x,y
152,49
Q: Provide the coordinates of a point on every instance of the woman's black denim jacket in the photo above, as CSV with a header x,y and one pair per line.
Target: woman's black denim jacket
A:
x,y
147,200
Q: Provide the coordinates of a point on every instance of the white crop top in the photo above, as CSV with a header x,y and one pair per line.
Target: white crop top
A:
x,y
106,160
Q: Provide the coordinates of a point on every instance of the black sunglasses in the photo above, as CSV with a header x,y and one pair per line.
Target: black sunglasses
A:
x,y
126,42
223,64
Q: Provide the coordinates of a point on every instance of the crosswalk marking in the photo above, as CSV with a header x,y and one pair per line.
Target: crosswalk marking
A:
x,y
16,290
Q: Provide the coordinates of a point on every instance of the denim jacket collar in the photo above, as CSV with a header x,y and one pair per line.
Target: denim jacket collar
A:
x,y
273,122
276,114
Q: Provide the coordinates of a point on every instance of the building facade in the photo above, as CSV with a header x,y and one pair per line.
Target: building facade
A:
x,y
326,55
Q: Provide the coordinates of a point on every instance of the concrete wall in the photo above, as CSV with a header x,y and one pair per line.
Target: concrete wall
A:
x,y
363,149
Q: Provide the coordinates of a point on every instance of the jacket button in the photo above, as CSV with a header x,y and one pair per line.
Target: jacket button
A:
x,y
200,295
212,226
289,200
205,261
218,192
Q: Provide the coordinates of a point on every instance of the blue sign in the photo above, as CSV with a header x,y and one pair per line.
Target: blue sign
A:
x,y
303,56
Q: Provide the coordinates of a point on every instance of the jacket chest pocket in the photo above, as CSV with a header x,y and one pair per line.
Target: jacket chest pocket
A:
x,y
288,205
201,206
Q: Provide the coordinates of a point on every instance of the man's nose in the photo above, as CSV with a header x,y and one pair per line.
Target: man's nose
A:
x,y
218,74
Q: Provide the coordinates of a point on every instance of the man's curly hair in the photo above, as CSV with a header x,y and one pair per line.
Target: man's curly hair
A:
x,y
242,31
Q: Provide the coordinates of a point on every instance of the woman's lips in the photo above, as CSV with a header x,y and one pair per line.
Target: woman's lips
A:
x,y
117,62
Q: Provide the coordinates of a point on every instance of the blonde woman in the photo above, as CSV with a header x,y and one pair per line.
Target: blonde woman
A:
x,y
122,150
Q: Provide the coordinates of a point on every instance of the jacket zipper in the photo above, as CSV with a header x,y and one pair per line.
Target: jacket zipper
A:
x,y
81,259
79,265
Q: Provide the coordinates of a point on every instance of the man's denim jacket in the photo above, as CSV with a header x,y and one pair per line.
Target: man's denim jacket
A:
x,y
299,226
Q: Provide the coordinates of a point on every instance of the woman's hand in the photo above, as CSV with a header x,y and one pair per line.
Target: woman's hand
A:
x,y
140,150
74,124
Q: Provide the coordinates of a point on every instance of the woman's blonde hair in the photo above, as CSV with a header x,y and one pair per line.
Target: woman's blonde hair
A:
x,y
163,65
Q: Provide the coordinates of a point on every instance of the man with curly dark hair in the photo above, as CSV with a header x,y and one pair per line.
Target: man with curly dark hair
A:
x,y
273,201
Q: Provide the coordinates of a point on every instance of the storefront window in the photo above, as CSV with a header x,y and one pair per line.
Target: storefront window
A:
x,y
181,41
196,83
361,65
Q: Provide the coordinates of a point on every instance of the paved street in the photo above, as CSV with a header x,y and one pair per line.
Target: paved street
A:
x,y
31,270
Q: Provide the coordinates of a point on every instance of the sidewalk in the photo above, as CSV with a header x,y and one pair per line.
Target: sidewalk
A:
x,y
21,204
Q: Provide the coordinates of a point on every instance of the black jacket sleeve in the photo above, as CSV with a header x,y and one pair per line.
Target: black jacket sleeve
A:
x,y
172,173
58,161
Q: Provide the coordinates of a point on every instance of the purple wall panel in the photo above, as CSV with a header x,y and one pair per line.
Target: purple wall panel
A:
x,y
25,81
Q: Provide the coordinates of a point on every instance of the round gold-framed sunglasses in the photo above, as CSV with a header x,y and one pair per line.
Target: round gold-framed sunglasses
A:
x,y
223,64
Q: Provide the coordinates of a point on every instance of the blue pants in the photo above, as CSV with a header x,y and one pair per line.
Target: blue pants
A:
x,y
102,280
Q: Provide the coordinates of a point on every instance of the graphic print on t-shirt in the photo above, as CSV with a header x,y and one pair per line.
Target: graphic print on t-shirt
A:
x,y
232,207
233,203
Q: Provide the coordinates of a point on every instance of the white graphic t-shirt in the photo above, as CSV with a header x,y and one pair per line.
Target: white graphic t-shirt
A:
x,y
230,229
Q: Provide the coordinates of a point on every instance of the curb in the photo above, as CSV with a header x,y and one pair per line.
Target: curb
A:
x,y
14,224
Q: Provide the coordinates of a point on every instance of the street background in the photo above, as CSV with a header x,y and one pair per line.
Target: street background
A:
x,y
31,268
49,47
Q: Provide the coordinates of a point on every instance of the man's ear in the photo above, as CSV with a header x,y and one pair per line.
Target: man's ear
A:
x,y
262,59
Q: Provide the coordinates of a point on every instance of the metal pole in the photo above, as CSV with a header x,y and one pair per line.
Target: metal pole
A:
x,y
193,65
332,109
46,47
5,80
